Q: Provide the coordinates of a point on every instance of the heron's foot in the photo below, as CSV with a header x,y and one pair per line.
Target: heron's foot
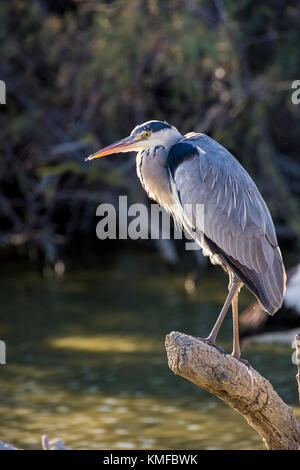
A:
x,y
211,342
243,361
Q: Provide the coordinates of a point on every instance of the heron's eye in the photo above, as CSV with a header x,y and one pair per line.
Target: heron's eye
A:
x,y
146,134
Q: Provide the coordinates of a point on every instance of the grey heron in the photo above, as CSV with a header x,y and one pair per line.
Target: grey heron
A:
x,y
180,171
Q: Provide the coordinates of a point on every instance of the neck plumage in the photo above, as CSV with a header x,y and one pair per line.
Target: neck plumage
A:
x,y
151,167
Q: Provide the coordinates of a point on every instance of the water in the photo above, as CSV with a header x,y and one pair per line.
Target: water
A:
x,y
86,361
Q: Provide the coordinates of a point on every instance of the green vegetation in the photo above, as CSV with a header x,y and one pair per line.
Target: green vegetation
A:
x,y
81,74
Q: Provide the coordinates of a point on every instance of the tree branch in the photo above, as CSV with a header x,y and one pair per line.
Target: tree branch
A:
x,y
52,444
297,344
238,385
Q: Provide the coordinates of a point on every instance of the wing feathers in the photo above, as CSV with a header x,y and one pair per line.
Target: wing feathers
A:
x,y
236,217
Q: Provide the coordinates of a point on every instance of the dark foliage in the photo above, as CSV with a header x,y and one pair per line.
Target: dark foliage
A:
x,y
82,74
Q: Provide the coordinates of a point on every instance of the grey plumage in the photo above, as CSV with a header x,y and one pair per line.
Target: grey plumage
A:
x,y
236,218
237,231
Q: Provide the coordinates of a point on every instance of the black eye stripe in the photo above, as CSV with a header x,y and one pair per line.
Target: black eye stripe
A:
x,y
152,126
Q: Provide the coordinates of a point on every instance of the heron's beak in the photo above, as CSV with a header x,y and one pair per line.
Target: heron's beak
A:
x,y
124,145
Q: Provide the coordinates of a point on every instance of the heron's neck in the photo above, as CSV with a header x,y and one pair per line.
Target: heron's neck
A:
x,y
151,167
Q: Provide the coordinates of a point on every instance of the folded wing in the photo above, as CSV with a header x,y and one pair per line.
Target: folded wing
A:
x,y
237,224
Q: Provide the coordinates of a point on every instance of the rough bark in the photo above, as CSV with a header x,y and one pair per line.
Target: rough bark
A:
x,y
238,385
297,344
52,444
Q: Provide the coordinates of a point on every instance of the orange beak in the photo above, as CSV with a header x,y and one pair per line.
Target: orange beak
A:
x,y
124,145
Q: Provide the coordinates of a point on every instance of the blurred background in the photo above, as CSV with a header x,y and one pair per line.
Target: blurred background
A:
x,y
84,320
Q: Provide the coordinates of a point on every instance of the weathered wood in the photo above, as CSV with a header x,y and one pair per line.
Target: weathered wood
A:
x,y
6,446
238,385
297,344
53,444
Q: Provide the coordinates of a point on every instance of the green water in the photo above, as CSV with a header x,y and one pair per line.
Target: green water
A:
x,y
86,360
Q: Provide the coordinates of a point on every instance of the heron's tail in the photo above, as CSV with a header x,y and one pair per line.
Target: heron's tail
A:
x,y
268,287
271,285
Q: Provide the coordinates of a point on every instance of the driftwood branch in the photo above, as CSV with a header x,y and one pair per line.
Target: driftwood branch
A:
x,y
238,385
52,444
297,344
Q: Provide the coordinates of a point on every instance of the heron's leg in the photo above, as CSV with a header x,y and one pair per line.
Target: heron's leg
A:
x,y
236,351
234,287
230,280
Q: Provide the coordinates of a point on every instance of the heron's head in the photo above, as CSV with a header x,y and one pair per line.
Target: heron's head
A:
x,y
144,136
